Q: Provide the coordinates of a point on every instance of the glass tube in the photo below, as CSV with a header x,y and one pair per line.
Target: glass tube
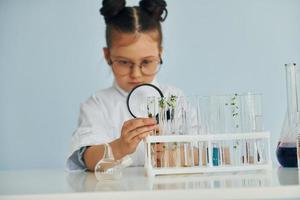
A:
x,y
192,157
260,147
251,112
226,153
250,153
162,116
152,111
244,152
205,155
193,125
185,154
215,154
178,153
165,155
237,156
200,156
173,155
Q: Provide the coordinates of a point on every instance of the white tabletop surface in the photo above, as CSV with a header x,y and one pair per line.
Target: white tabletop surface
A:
x,y
278,183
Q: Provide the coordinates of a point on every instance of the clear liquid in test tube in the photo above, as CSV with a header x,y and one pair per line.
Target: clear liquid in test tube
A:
x,y
200,149
173,156
237,155
185,154
192,154
226,154
165,156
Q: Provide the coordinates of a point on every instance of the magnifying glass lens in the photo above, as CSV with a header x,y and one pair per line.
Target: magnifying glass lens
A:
x,y
138,100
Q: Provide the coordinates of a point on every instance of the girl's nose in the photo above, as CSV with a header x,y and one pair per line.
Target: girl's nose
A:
x,y
136,72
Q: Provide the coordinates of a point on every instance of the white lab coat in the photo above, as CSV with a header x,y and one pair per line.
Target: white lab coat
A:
x,y
100,121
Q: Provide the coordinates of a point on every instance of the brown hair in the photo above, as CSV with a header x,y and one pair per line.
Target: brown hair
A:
x,y
145,18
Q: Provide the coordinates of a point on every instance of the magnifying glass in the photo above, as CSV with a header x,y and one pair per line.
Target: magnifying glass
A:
x,y
138,97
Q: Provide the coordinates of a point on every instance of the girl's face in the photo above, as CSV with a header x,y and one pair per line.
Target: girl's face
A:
x,y
132,49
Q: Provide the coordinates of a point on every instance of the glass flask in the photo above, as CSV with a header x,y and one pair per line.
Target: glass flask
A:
x,y
108,168
286,151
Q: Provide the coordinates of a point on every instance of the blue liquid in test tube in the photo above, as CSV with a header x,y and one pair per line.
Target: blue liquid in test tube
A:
x,y
215,155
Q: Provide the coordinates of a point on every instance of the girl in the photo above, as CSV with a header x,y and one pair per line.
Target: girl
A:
x,y
134,48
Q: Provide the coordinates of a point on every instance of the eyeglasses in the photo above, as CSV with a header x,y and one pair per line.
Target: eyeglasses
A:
x,y
149,66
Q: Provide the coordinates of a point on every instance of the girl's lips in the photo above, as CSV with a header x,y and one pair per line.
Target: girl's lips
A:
x,y
135,83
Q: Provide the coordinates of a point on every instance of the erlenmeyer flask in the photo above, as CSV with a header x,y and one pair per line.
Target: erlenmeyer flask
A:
x,y
286,150
108,168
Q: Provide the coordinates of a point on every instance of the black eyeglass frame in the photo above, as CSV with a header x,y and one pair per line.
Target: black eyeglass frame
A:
x,y
160,63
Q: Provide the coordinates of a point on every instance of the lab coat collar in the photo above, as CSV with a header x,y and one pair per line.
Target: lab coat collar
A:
x,y
124,93
119,89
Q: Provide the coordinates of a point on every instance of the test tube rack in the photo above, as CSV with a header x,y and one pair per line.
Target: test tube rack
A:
x,y
209,141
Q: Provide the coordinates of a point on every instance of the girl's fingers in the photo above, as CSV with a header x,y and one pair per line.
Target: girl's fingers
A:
x,y
143,135
136,140
141,130
136,123
133,131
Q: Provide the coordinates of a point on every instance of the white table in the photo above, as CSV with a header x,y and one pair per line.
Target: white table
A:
x,y
57,184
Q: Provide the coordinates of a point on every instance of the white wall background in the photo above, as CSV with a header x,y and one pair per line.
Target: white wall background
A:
x,y
51,60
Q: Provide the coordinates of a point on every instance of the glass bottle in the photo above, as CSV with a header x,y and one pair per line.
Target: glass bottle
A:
x,y
286,149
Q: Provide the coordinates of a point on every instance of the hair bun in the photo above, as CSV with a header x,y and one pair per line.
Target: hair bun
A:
x,y
155,8
111,8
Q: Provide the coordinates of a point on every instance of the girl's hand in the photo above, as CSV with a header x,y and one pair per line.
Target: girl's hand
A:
x,y
133,131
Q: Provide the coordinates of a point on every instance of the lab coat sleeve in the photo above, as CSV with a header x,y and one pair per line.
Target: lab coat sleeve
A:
x,y
93,128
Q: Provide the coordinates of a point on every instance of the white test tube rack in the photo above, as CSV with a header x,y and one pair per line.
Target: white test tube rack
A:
x,y
209,139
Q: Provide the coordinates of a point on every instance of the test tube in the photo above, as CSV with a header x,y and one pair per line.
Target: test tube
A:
x,y
205,155
255,153
215,155
177,157
161,101
226,154
237,152
185,154
152,154
200,157
151,110
220,159
192,157
180,123
222,154
252,152
173,155
165,155
245,157
162,115
261,154
193,120
257,127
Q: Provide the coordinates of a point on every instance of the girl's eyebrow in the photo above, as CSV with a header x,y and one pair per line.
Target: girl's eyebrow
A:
x,y
149,57
121,57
